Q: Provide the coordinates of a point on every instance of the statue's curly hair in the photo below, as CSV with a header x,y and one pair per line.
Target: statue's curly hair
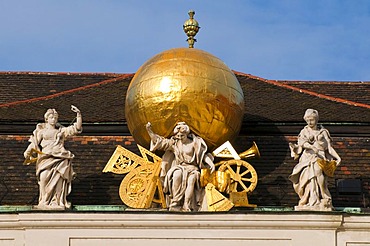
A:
x,y
50,111
181,127
311,112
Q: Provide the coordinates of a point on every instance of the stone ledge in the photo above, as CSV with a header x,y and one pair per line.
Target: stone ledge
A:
x,y
259,228
171,220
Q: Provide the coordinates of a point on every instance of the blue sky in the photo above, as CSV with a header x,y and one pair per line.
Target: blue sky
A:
x,y
273,39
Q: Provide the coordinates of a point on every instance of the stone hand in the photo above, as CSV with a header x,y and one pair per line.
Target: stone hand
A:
x,y
75,109
148,126
212,168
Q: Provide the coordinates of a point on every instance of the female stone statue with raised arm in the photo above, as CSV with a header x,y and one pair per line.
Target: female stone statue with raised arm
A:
x,y
309,179
185,154
54,163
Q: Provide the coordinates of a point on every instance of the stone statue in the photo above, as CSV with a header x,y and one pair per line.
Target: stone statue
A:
x,y
185,154
54,163
316,154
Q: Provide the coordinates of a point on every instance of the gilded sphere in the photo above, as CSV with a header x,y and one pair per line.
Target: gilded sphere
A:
x,y
187,85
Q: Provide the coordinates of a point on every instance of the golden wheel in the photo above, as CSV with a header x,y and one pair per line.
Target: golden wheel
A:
x,y
243,176
134,186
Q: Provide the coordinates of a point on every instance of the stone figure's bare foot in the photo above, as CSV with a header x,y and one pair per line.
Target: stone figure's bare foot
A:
x,y
186,209
174,208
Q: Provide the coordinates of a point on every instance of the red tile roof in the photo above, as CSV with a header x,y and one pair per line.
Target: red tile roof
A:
x,y
332,91
357,92
268,100
18,86
101,97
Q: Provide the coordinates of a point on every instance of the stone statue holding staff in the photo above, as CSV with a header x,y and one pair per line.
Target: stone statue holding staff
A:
x,y
53,162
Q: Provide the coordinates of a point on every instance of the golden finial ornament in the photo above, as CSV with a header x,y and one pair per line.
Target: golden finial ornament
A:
x,y
191,28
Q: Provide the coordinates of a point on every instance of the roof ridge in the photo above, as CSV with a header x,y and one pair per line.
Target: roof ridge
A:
x,y
330,98
65,92
323,82
61,73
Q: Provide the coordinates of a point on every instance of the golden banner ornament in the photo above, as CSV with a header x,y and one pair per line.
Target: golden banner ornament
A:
x,y
328,167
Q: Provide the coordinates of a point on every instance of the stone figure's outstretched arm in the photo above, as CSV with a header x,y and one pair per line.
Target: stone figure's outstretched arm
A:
x,y
154,137
158,142
78,117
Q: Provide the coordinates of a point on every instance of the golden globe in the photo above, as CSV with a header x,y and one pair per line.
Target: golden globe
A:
x,y
189,85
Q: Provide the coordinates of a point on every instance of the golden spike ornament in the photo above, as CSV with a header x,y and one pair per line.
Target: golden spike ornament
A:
x,y
191,28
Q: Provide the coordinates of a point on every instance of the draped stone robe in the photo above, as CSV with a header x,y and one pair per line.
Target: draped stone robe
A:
x,y
309,181
54,165
173,160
